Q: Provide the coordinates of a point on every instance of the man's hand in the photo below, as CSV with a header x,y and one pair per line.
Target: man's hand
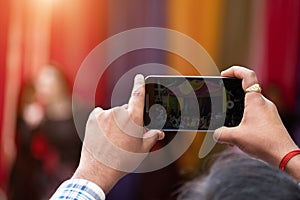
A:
x,y
261,132
115,141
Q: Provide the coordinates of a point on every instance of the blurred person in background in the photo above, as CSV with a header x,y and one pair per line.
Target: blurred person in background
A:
x,y
47,140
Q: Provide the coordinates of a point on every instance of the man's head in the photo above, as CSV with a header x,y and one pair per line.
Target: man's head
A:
x,y
238,176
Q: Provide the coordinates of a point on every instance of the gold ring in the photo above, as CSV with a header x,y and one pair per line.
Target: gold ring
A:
x,y
254,88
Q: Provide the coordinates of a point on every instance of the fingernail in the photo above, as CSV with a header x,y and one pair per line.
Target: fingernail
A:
x,y
139,76
139,79
97,111
138,82
222,73
217,134
161,135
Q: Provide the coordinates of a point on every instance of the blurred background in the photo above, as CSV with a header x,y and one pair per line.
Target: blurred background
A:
x,y
44,42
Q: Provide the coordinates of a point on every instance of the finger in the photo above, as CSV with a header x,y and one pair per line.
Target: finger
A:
x,y
224,135
97,111
150,138
125,106
248,76
255,98
136,101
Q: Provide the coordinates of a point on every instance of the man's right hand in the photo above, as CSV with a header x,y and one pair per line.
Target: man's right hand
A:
x,y
261,132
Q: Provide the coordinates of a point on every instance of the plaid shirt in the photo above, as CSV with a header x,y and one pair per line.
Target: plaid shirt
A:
x,y
78,189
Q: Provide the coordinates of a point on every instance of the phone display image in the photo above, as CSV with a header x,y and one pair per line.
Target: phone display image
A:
x,y
175,103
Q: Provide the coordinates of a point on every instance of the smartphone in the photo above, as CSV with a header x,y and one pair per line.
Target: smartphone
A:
x,y
192,103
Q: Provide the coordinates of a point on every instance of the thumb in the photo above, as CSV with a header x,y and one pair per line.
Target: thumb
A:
x,y
150,138
97,111
224,135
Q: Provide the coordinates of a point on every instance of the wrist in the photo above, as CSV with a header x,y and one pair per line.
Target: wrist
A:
x,y
285,160
281,148
103,178
93,170
290,163
281,154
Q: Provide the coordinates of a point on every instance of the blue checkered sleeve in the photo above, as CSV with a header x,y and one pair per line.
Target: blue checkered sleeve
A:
x,y
78,189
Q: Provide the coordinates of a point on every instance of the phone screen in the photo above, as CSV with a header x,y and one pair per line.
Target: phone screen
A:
x,y
179,103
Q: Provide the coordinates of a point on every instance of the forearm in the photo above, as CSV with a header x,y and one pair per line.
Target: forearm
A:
x,y
104,179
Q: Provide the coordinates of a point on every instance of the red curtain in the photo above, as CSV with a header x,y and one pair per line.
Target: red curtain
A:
x,y
4,13
282,47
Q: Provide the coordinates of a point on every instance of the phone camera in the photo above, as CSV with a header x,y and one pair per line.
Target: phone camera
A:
x,y
230,104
